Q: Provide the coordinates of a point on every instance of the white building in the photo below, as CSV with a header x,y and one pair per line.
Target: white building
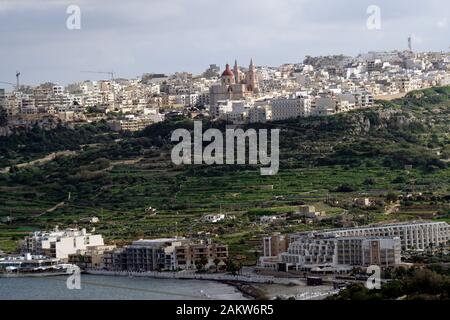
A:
x,y
413,235
340,253
268,219
58,90
213,217
59,244
287,108
325,106
258,114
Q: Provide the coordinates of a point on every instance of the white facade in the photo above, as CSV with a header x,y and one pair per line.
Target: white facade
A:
x,y
414,236
213,217
59,244
325,106
257,115
308,253
283,109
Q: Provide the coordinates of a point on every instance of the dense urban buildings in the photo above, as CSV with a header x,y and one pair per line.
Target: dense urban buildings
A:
x,y
341,249
318,86
88,251
165,254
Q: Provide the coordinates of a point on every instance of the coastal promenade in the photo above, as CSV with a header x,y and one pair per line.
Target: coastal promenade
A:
x,y
244,278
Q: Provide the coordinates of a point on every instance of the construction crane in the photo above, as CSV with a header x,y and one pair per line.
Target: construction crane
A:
x,y
17,79
111,73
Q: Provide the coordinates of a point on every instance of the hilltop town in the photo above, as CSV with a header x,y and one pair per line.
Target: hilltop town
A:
x,y
318,86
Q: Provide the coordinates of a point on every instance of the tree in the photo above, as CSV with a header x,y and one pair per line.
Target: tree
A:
x,y
345,188
392,290
369,181
216,263
231,266
200,264
14,169
3,117
391,197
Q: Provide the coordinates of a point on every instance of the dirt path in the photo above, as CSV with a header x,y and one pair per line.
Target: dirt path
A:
x,y
59,205
392,208
42,160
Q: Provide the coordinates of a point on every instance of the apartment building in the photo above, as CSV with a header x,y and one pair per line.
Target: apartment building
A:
x,y
345,102
340,249
2,97
60,244
136,123
363,99
413,235
275,245
409,84
163,254
258,114
340,253
283,109
189,255
58,90
187,99
150,255
325,106
91,257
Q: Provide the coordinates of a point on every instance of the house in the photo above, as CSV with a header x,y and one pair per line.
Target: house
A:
x,y
268,219
213,218
306,211
362,202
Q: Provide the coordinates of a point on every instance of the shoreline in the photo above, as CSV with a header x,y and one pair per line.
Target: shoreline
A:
x,y
247,285
32,275
256,288
248,290
244,278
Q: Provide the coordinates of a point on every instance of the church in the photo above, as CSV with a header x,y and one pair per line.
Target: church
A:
x,y
235,84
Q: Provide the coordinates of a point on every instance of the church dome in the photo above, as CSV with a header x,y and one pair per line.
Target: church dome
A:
x,y
227,71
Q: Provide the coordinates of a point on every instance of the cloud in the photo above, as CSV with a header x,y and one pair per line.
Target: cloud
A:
x,y
442,23
132,37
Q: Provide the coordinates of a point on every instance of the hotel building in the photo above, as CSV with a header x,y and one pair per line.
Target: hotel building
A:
x,y
341,249
340,253
59,244
413,235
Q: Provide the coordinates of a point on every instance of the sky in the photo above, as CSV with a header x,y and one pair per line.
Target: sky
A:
x,y
164,36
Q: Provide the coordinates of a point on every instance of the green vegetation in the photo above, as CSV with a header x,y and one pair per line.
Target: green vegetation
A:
x,y
414,284
398,148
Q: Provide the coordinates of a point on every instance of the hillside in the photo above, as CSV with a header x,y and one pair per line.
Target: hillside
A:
x,y
401,147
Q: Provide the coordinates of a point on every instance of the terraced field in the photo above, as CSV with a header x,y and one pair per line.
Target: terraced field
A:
x,y
325,162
